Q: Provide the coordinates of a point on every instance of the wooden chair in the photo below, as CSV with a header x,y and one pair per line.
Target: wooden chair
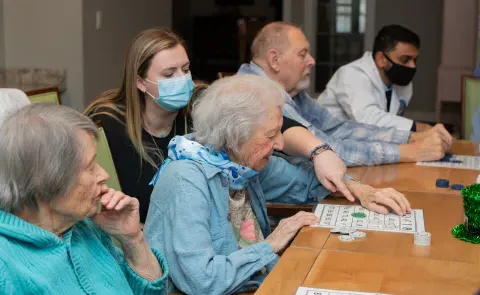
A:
x,y
104,159
284,210
470,100
50,95
287,210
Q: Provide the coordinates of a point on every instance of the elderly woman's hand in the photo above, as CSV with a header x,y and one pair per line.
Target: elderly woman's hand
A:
x,y
380,200
119,216
288,228
330,171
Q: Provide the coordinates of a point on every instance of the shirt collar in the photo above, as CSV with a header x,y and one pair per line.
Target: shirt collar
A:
x,y
386,87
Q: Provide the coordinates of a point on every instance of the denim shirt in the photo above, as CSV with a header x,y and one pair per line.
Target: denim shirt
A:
x,y
356,143
188,220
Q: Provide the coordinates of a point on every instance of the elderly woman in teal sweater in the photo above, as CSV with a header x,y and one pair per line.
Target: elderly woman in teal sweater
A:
x,y
207,211
57,217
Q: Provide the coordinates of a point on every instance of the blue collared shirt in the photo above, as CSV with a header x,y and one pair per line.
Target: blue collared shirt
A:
x,y
356,143
188,220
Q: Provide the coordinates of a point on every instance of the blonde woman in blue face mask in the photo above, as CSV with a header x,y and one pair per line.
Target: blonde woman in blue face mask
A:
x,y
145,113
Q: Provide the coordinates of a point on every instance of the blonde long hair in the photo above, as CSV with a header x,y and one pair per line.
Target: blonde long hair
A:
x,y
140,54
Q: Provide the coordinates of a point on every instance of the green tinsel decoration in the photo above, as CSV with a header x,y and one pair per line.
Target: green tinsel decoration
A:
x,y
470,230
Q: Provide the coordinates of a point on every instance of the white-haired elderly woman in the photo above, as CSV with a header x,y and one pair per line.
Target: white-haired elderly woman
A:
x,y
52,239
207,212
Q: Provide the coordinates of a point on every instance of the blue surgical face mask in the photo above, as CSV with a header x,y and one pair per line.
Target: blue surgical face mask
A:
x,y
173,93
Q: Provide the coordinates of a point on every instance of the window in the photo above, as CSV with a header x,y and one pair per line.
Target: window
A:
x,y
340,35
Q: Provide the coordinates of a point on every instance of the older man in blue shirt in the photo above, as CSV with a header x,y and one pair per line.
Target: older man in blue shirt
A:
x,y
281,52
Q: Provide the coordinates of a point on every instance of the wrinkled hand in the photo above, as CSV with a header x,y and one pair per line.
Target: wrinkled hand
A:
x,y
431,148
423,126
330,171
440,131
119,216
288,228
381,200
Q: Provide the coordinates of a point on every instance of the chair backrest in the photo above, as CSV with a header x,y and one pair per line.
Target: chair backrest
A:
x,y
286,210
470,101
104,159
51,96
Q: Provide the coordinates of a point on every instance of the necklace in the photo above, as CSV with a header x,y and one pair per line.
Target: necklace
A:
x,y
162,135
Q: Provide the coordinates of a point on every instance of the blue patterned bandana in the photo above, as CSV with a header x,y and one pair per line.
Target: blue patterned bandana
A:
x,y
180,148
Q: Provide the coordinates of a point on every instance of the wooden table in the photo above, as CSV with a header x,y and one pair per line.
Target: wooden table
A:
x,y
384,262
465,147
390,262
290,271
340,270
410,177
441,213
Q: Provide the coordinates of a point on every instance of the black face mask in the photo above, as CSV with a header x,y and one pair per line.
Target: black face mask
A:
x,y
398,74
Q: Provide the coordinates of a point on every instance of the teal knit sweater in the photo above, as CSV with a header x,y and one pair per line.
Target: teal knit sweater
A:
x,y
84,261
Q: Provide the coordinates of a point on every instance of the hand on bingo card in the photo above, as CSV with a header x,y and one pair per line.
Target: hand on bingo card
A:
x,y
288,228
384,199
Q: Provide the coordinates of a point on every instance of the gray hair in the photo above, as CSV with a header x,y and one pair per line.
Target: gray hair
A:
x,y
229,111
40,154
274,35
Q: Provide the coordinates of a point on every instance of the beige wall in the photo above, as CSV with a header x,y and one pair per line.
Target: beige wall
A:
x,y
46,34
105,49
2,39
297,12
425,18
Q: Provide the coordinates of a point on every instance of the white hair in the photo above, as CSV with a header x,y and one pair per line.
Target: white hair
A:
x,y
11,100
229,111
40,154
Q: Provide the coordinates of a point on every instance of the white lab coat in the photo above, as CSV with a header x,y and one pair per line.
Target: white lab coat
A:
x,y
357,92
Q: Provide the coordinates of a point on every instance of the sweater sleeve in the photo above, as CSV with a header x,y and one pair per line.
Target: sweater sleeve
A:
x,y
6,284
138,284
289,183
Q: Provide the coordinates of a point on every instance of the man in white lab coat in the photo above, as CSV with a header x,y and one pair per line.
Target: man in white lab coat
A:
x,y
281,52
377,88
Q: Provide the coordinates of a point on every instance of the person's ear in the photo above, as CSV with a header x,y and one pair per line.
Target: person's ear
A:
x,y
380,60
274,59
141,84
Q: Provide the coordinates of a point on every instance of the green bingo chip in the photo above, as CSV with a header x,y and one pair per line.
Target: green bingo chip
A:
x,y
359,215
